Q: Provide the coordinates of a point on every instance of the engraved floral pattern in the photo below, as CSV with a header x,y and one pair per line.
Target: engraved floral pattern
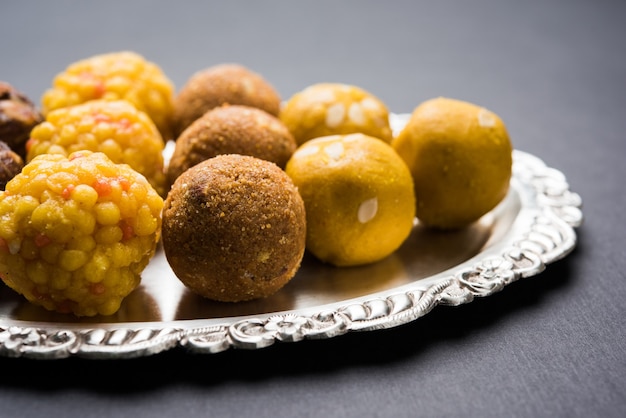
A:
x,y
288,327
489,276
38,343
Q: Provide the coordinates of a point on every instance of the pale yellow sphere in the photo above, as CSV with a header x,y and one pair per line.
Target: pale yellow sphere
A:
x,y
460,156
335,109
358,195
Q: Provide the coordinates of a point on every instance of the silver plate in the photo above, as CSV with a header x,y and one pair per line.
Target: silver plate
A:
x,y
532,227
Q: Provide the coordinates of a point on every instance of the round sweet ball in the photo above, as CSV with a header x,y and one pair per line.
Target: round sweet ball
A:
x,y
358,195
76,232
123,75
335,109
11,164
232,130
18,116
221,84
460,157
114,127
234,228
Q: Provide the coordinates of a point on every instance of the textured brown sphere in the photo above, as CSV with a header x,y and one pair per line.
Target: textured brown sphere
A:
x,y
234,228
11,164
223,84
18,116
232,130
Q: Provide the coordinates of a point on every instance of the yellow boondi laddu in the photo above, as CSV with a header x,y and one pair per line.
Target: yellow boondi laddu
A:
x,y
335,109
115,128
76,232
114,76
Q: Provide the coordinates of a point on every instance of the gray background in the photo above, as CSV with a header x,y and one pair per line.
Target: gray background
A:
x,y
554,70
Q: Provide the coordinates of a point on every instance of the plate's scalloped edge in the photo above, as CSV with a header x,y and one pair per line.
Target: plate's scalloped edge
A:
x,y
549,237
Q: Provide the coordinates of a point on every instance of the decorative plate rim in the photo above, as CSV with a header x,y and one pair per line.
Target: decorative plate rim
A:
x,y
543,232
